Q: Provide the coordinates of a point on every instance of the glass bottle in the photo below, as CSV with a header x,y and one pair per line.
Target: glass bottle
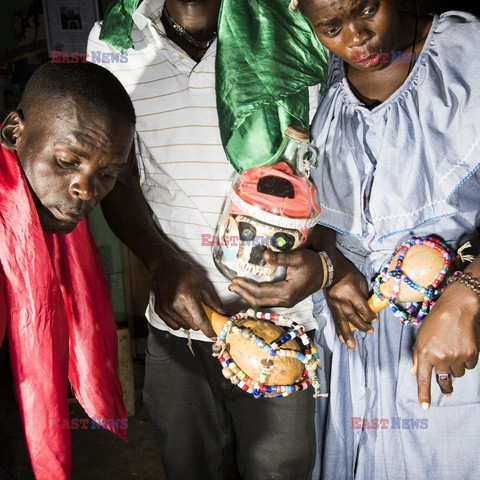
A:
x,y
271,207
296,151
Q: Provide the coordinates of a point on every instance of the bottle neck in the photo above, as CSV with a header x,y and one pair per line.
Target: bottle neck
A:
x,y
290,152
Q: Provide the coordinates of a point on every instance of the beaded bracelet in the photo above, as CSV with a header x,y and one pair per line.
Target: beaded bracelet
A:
x,y
467,280
416,311
327,269
258,388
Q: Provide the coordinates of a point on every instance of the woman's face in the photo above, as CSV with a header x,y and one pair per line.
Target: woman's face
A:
x,y
363,33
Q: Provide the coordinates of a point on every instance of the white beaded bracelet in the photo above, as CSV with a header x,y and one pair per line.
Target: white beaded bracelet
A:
x,y
327,269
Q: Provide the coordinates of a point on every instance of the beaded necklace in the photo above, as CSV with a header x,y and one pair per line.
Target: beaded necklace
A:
x,y
198,44
410,66
415,313
258,388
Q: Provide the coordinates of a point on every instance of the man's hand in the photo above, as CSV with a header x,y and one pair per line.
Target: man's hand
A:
x,y
347,300
304,276
179,290
179,287
448,341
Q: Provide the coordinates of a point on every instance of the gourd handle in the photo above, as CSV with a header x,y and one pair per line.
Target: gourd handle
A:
x,y
422,264
216,319
375,305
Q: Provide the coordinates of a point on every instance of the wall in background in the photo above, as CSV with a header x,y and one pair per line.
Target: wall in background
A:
x,y
21,23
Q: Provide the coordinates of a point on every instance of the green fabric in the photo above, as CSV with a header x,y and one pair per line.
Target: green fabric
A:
x,y
117,24
266,59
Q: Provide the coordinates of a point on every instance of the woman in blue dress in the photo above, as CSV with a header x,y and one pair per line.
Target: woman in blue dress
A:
x,y
399,139
398,132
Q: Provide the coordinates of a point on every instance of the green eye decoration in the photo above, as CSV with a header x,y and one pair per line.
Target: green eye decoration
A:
x,y
247,231
283,241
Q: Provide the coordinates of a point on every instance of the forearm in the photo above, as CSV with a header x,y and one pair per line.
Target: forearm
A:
x,y
130,218
463,294
322,238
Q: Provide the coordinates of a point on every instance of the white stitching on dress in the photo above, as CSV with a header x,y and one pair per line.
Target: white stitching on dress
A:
x,y
408,214
470,151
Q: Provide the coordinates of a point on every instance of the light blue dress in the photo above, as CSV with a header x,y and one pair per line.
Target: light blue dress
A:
x,y
407,167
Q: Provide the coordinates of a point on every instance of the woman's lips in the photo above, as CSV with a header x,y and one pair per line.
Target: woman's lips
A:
x,y
365,58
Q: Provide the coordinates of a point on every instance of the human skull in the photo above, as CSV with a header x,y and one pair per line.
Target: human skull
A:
x,y
268,208
255,238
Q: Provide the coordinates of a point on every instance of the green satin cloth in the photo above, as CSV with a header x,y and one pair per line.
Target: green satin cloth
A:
x,y
117,24
266,59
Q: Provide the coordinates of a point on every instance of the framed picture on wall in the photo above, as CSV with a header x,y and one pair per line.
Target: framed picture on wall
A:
x,y
68,23
9,98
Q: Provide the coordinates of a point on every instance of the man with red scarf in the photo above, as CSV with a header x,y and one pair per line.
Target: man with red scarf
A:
x,y
60,154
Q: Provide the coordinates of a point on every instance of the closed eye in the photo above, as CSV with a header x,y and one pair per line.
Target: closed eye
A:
x,y
64,163
110,175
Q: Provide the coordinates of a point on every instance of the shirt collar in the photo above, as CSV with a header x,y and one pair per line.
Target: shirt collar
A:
x,y
147,12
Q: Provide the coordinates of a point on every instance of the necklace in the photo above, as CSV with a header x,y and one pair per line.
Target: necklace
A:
x,y
413,47
198,44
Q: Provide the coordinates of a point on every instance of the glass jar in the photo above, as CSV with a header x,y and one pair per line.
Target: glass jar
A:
x,y
268,207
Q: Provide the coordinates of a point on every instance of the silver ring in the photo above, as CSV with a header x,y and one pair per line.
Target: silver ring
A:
x,y
443,377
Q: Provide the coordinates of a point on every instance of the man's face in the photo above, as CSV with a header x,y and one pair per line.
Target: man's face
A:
x,y
71,161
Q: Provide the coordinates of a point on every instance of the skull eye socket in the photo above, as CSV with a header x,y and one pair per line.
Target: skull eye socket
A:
x,y
283,241
247,231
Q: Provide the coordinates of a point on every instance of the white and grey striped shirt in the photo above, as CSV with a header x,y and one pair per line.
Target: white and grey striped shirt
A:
x,y
184,173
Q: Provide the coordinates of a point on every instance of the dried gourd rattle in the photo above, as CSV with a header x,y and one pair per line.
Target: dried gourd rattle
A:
x,y
259,353
415,273
270,207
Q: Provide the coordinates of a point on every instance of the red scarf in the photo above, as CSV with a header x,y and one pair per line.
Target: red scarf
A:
x,y
55,304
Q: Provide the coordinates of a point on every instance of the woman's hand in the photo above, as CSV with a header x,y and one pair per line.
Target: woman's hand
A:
x,y
448,340
347,300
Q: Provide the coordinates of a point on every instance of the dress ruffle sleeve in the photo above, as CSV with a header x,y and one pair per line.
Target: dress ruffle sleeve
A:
x,y
403,163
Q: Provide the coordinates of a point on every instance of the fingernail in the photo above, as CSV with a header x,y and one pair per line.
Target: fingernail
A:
x,y
425,405
341,339
370,331
412,371
375,320
448,394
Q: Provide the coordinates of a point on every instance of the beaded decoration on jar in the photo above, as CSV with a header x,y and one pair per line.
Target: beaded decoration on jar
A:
x,y
416,262
257,350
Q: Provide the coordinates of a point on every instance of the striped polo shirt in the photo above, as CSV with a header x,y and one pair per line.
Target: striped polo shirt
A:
x,y
184,173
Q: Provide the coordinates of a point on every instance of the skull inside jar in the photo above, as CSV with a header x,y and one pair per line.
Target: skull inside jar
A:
x,y
268,208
